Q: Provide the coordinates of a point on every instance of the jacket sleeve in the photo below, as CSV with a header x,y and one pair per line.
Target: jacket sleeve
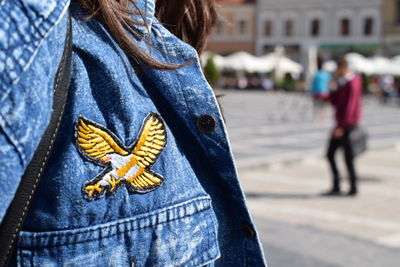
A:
x,y
31,46
333,98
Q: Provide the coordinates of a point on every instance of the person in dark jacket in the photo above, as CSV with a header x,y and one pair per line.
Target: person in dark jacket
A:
x,y
346,100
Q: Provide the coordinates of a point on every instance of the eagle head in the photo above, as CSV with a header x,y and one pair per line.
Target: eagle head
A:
x,y
106,159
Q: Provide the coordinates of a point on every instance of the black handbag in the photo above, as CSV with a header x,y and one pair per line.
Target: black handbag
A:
x,y
18,209
358,140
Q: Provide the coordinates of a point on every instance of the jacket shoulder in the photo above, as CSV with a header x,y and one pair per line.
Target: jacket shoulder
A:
x,y
25,24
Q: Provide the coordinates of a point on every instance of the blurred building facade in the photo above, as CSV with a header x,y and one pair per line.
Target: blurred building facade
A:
x,y
235,29
391,27
333,27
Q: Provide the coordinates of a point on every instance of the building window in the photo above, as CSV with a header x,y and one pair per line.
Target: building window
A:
x,y
268,28
289,28
368,26
345,27
242,26
315,27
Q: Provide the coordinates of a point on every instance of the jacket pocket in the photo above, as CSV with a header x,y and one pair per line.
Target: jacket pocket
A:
x,y
181,235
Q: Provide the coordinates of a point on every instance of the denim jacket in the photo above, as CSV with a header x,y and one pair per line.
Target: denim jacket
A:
x,y
141,173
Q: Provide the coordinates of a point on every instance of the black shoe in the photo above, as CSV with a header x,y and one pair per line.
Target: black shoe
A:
x,y
352,192
334,192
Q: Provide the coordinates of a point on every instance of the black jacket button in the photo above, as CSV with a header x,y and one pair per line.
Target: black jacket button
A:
x,y
248,230
206,124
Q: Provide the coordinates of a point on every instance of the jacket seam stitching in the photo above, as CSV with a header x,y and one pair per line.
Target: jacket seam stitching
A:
x,y
26,66
13,140
118,232
130,220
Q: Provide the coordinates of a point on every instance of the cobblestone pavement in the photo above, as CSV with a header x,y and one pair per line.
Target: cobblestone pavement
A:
x,y
278,149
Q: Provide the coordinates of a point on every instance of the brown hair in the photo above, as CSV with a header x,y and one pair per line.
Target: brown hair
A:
x,y
342,63
190,20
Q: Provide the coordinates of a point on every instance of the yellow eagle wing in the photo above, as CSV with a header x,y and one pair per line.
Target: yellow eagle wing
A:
x,y
95,141
151,142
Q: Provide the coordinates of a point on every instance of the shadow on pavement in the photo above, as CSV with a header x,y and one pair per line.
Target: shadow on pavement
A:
x,y
369,179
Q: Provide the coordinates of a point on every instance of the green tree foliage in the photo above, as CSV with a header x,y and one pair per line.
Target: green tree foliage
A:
x,y
288,83
211,72
366,82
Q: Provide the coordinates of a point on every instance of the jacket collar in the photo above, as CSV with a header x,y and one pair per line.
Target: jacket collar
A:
x,y
147,7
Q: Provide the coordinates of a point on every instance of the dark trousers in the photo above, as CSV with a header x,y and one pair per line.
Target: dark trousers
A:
x,y
344,143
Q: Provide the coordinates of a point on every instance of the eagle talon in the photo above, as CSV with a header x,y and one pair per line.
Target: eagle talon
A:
x,y
93,189
113,182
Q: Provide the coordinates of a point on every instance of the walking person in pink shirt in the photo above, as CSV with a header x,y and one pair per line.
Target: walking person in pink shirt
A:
x,y
346,100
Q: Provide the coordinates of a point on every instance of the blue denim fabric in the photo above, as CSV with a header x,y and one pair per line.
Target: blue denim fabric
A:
x,y
28,63
194,218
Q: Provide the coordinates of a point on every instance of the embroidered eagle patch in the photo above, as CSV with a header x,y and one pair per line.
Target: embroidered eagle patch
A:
x,y
123,165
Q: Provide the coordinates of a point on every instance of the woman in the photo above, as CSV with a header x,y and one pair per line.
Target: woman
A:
x,y
141,172
346,99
